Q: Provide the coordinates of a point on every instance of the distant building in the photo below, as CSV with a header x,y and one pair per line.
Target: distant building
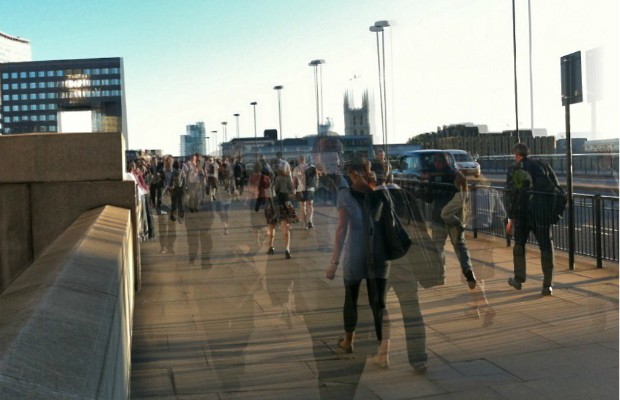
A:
x,y
468,137
14,49
37,95
577,145
357,121
194,140
602,146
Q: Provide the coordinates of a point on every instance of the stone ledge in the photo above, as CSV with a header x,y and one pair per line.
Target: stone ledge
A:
x,y
66,321
44,157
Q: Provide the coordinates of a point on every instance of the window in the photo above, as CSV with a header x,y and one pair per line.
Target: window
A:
x,y
41,74
33,107
50,85
86,71
13,75
32,96
96,82
41,85
15,108
114,70
51,117
51,128
25,118
34,118
51,106
59,73
96,71
5,86
6,97
43,128
6,108
32,74
50,73
41,96
24,107
23,96
42,107
15,97
22,74
32,85
42,118
104,71
23,85
5,75
14,86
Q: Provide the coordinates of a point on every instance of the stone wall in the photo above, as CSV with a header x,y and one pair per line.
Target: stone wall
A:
x,y
46,182
66,321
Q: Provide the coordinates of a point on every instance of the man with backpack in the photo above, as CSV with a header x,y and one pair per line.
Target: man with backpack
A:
x,y
530,198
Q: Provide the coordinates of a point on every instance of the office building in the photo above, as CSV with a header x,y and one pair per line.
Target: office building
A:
x,y
50,96
194,140
14,49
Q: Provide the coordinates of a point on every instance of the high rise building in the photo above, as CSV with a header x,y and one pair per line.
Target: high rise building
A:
x,y
194,140
48,96
14,49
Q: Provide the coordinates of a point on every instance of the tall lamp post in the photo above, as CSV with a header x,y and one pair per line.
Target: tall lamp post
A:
x,y
253,104
225,138
318,77
215,139
378,28
279,89
237,118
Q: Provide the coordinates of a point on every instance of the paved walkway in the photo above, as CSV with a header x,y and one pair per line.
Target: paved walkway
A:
x,y
217,318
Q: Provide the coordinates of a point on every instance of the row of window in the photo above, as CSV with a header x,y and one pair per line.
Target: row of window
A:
x,y
60,72
36,118
74,94
37,128
30,107
60,84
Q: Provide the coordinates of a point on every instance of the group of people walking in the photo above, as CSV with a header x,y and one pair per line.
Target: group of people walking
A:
x,y
272,189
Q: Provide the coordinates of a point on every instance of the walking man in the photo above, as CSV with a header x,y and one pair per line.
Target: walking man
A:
x,y
524,201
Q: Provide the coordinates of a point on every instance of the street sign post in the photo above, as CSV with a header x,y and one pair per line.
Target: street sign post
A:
x,y
572,93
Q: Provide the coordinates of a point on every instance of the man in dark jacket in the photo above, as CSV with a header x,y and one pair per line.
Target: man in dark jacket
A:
x,y
525,205
440,191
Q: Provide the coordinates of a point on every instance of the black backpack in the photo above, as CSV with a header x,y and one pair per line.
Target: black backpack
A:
x,y
555,198
311,177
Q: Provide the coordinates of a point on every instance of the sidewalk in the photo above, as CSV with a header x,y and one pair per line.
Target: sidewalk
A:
x,y
233,322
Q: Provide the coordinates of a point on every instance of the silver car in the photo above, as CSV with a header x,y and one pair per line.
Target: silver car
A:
x,y
465,162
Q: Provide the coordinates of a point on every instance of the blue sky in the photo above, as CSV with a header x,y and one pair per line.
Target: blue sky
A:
x,y
448,61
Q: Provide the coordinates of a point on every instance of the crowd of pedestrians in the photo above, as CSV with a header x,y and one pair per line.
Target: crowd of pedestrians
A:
x,y
277,196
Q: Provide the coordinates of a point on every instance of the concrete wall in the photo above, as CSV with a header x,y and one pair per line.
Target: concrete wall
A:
x,y
47,181
66,321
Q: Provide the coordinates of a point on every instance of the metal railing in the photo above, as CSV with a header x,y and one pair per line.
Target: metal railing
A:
x,y
596,219
595,164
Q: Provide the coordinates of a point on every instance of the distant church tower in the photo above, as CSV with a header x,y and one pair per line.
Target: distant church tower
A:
x,y
356,120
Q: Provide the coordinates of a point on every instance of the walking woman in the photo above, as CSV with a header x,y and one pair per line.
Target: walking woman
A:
x,y
362,258
283,188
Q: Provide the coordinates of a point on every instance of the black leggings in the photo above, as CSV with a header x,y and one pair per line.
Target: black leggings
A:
x,y
376,298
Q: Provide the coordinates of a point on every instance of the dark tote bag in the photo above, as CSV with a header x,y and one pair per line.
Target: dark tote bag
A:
x,y
422,257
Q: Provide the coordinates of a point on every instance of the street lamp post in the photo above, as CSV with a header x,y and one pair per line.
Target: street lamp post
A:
x,y
318,76
253,104
215,139
237,118
225,138
378,27
279,89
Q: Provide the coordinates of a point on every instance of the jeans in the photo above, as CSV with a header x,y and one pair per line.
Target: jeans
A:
x,y
457,238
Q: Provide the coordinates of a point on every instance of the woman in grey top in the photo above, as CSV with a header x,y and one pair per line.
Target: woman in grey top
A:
x,y
362,258
283,188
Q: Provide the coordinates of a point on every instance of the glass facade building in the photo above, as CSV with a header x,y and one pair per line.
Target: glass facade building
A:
x,y
36,94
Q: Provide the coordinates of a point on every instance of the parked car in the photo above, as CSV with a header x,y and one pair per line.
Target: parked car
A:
x,y
465,162
414,164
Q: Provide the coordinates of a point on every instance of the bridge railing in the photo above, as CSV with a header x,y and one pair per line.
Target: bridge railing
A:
x,y
596,164
596,219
